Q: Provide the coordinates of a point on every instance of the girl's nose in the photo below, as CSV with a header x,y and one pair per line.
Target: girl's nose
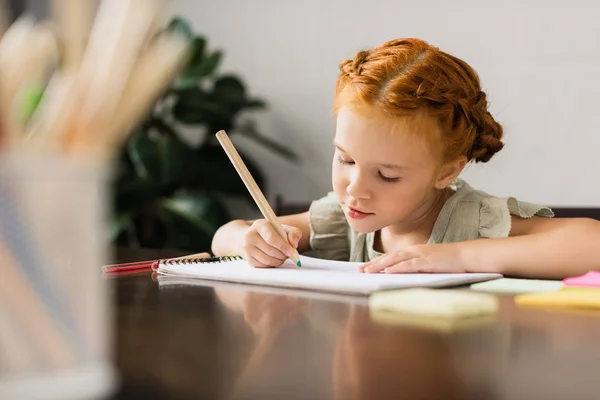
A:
x,y
357,187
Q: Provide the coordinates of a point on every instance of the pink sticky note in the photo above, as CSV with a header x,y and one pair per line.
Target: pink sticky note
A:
x,y
591,279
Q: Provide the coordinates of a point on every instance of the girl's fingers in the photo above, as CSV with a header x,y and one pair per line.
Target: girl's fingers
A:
x,y
270,236
294,234
385,261
255,263
263,259
414,265
253,241
270,250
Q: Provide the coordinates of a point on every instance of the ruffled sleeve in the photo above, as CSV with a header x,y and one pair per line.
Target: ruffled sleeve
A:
x,y
472,214
329,229
495,215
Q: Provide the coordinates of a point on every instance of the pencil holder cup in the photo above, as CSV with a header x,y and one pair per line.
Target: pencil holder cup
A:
x,y
55,322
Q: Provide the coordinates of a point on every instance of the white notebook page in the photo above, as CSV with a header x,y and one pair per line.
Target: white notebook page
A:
x,y
320,275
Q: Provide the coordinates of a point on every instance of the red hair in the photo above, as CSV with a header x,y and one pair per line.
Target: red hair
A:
x,y
408,77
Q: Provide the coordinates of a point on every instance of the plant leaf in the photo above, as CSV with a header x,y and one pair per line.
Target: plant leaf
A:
x,y
180,25
144,155
254,104
193,216
163,127
117,224
167,194
190,208
175,157
230,90
202,110
183,82
213,171
134,193
203,205
198,46
204,67
181,233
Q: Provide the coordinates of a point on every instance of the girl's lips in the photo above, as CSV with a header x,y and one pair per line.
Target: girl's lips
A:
x,y
356,214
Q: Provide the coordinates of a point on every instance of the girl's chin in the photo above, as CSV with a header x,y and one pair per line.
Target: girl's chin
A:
x,y
362,226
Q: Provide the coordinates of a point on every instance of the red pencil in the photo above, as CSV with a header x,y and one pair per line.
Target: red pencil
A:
x,y
143,265
138,265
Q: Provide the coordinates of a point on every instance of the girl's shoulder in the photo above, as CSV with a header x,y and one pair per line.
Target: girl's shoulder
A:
x,y
472,214
329,229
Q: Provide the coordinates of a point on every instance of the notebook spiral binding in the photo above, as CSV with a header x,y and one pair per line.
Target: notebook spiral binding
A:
x,y
204,260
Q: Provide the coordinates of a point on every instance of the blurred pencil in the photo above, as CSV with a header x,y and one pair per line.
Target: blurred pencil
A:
x,y
33,317
255,192
16,351
12,48
74,19
111,73
19,244
27,51
113,48
151,75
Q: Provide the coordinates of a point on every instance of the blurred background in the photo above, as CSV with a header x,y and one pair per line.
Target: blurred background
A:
x,y
265,71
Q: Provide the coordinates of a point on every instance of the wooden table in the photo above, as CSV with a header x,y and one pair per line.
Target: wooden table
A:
x,y
211,341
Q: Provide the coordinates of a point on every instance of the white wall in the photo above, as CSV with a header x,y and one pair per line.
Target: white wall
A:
x,y
539,61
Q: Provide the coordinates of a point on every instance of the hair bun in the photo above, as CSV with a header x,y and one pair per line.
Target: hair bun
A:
x,y
485,146
489,132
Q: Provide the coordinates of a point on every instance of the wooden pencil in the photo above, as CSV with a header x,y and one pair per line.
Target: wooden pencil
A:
x,y
254,190
27,51
151,75
74,19
116,38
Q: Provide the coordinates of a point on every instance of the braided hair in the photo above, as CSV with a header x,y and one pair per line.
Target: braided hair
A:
x,y
404,77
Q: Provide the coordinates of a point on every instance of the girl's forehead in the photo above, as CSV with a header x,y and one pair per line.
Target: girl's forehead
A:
x,y
376,136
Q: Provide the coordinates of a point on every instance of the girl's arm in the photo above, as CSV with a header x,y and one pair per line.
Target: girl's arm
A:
x,y
539,247
536,248
231,237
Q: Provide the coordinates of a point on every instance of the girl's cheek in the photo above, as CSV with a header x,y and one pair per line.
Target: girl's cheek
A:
x,y
338,178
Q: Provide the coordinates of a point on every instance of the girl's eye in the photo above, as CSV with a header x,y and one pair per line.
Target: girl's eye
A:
x,y
388,179
344,162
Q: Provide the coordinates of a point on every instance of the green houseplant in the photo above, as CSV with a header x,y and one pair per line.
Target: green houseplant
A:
x,y
168,192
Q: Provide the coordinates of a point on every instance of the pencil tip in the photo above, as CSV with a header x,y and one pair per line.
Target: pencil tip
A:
x,y
298,263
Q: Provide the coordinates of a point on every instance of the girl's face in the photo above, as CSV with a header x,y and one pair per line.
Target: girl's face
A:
x,y
384,170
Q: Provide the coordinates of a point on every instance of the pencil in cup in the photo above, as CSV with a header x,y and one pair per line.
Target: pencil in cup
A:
x,y
255,192
18,240
31,316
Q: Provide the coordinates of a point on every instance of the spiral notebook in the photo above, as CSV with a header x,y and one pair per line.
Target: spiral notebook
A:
x,y
315,274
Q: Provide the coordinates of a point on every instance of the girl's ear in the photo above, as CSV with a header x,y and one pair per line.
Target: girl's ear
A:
x,y
449,172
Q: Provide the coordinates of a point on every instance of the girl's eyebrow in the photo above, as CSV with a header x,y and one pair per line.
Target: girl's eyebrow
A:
x,y
339,147
394,166
390,166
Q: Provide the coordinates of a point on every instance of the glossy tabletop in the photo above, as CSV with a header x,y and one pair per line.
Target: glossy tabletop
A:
x,y
192,339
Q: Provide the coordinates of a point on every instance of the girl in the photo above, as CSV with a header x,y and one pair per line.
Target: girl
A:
x,y
409,118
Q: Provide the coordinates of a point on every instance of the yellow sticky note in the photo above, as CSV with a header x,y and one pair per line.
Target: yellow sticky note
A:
x,y
562,298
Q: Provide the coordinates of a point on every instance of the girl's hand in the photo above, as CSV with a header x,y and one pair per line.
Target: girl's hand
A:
x,y
439,258
264,248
